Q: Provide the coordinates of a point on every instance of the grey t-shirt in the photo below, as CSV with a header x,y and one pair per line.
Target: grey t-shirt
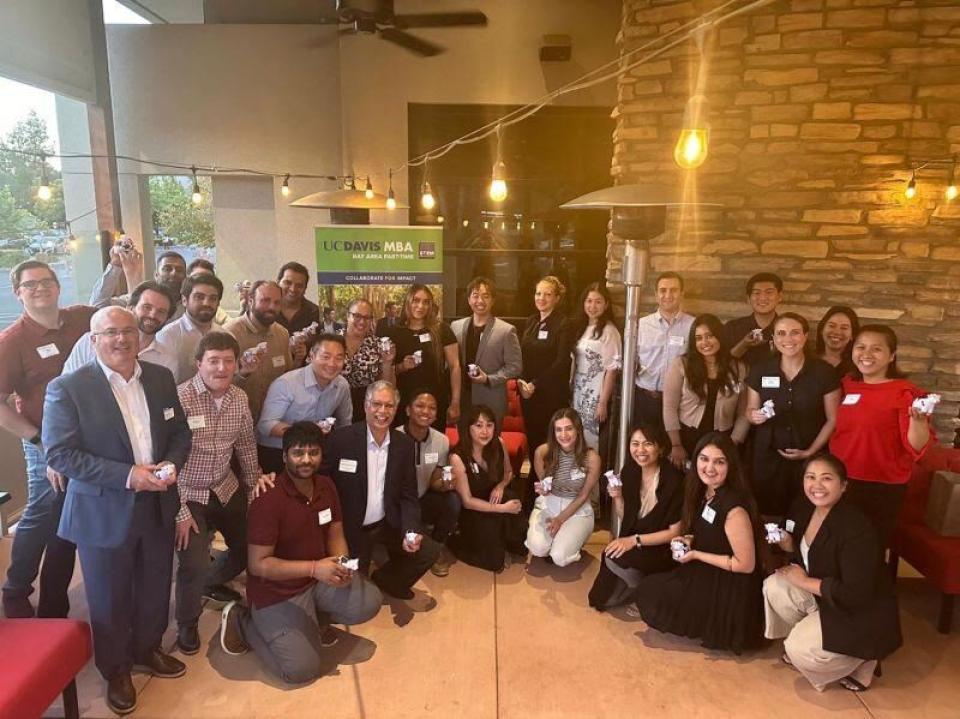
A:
x,y
431,453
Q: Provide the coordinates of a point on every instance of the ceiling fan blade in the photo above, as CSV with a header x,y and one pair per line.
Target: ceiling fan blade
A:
x,y
410,42
440,19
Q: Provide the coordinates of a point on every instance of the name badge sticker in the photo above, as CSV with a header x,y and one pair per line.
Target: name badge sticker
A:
x,y
348,465
475,467
50,350
325,517
279,361
431,458
424,338
542,334
675,341
168,413
577,474
709,513
851,399
790,525
197,421
770,382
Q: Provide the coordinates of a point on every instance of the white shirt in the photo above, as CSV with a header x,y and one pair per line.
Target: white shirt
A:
x,y
376,477
135,411
659,342
84,353
178,340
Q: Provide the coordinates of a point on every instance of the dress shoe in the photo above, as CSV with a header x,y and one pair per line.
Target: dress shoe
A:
x,y
160,665
389,588
221,593
17,607
188,639
121,695
441,567
231,631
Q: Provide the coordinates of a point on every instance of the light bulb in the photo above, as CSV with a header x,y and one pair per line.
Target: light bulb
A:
x,y
952,192
691,149
427,201
391,200
466,223
911,190
285,186
43,192
368,192
197,198
498,185
439,219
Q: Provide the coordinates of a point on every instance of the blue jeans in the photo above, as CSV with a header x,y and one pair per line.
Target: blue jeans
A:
x,y
36,532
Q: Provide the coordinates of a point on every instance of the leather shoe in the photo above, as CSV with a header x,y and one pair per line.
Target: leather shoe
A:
x,y
161,665
188,639
221,593
389,588
121,695
17,607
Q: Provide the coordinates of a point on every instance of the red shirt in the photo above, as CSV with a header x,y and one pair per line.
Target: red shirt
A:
x,y
296,527
31,356
871,433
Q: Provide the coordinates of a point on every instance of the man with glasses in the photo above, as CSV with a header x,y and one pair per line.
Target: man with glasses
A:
x,y
374,469
32,352
255,328
127,262
750,338
296,311
201,296
313,393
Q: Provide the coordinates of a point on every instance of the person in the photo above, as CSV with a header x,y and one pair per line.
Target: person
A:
x,y
427,355
296,311
835,333
367,360
258,325
312,393
115,427
661,338
562,517
201,296
805,393
647,506
373,468
704,391
32,352
388,321
213,496
597,361
764,293
126,262
544,385
834,605
439,501
201,266
329,323
488,344
151,304
297,583
490,520
879,434
715,593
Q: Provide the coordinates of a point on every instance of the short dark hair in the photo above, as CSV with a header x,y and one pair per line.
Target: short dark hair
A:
x,y
152,287
390,304
301,434
17,272
327,309
765,277
328,337
668,276
217,340
294,267
260,283
204,278
653,433
836,464
170,253
202,263
419,391
481,282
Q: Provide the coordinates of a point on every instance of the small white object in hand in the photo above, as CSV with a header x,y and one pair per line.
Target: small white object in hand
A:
x,y
352,564
546,484
774,533
613,480
678,548
385,344
473,370
756,335
164,472
447,473
418,357
262,348
925,405
411,537
768,410
328,423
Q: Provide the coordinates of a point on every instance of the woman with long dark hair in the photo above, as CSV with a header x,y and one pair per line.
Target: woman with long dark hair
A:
x,y
367,361
647,506
715,593
562,517
879,434
427,355
596,360
704,391
490,521
834,342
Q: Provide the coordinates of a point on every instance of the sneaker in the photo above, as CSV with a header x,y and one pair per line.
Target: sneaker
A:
x,y
441,567
231,631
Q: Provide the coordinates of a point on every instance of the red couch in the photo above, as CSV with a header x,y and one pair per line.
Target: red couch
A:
x,y
936,557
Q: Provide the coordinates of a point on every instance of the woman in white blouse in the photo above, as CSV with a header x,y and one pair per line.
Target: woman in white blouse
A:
x,y
597,361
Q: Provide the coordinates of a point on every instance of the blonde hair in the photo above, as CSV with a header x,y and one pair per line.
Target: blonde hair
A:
x,y
554,282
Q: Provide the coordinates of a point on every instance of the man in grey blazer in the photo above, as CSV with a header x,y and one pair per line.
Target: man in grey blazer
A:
x,y
490,347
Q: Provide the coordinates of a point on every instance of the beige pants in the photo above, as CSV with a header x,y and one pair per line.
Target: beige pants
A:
x,y
564,547
792,612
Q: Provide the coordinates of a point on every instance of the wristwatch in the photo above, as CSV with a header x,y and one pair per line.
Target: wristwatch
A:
x,y
639,543
35,439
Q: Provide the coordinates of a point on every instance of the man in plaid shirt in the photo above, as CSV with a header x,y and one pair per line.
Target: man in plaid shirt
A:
x,y
219,416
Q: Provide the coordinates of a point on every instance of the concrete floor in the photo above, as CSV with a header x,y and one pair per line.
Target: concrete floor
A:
x,y
525,644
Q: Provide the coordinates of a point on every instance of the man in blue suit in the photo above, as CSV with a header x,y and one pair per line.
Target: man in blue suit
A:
x,y
115,427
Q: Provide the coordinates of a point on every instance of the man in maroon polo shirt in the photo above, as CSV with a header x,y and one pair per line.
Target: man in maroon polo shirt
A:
x,y
32,352
297,579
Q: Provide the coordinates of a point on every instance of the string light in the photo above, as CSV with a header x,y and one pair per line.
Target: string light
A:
x,y
427,200
285,186
498,182
391,198
466,223
952,192
196,196
691,149
439,219
43,192
911,190
368,192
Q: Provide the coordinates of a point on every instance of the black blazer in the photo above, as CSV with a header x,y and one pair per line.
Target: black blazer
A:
x,y
858,605
546,362
400,501
669,499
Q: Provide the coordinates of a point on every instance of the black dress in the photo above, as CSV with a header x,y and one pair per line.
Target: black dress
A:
x,y
798,404
484,537
697,600
431,373
652,559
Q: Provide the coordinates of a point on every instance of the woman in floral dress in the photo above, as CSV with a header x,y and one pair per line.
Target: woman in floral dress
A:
x,y
597,361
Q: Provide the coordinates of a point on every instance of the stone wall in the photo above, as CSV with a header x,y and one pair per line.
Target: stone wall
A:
x,y
818,110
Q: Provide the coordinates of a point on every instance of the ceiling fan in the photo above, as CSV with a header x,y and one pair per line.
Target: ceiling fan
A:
x,y
392,27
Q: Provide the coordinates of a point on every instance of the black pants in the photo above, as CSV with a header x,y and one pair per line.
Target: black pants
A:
x,y
881,503
57,570
403,569
647,408
441,509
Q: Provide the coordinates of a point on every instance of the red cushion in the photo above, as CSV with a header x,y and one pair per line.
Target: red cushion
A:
x,y
38,658
513,422
515,441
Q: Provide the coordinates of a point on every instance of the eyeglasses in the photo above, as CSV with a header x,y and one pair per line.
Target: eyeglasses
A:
x,y
33,285
112,334
357,317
